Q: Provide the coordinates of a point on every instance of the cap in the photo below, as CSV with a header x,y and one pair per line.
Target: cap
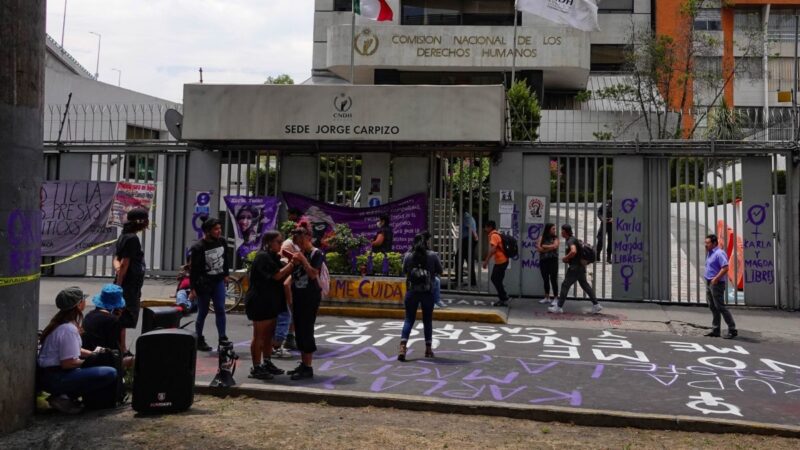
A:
x,y
69,298
138,215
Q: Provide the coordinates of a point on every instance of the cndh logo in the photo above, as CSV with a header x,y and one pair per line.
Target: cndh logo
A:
x,y
342,103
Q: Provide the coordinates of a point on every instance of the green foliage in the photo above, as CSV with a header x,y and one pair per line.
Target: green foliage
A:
x,y
725,123
286,227
343,241
280,79
603,135
341,264
583,96
337,263
262,181
525,112
248,260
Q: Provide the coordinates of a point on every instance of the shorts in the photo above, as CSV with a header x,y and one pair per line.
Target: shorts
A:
x,y
259,307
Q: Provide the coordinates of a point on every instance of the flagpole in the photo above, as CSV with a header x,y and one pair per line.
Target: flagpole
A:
x,y
352,41
514,48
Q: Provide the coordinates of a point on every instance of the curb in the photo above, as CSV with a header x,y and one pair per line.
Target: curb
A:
x,y
575,416
450,314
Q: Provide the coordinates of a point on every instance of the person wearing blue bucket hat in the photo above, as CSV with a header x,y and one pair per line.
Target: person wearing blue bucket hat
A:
x,y
102,326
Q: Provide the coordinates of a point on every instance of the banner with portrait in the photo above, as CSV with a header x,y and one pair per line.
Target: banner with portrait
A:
x,y
251,217
407,218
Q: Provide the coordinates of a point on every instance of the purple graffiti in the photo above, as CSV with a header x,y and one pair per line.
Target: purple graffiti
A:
x,y
628,205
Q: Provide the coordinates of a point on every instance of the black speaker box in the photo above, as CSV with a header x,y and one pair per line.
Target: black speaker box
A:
x,y
164,371
157,317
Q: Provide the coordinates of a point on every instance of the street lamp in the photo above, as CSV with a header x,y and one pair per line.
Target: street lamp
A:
x,y
97,67
119,76
63,24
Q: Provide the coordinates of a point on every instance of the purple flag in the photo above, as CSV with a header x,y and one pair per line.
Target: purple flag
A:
x,y
407,218
74,215
251,217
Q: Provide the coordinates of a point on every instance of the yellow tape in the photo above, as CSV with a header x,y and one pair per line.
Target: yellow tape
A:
x,y
79,254
11,281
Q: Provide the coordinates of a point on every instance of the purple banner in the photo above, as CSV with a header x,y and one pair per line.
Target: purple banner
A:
x,y
74,215
251,217
407,218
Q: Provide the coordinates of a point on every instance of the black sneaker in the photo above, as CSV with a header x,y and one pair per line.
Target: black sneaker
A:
x,y
202,345
271,368
290,343
260,373
712,334
731,334
299,367
302,372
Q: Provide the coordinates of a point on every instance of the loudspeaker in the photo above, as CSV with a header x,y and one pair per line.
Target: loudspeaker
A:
x,y
164,371
157,317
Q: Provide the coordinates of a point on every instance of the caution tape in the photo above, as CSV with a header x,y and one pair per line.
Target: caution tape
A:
x,y
79,254
11,281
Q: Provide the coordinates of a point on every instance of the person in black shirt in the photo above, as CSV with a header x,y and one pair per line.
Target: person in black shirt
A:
x,y
421,266
209,272
383,240
576,273
265,299
101,327
306,297
130,268
606,229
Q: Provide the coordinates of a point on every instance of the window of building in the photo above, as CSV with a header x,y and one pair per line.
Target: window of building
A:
x,y
342,5
134,132
607,58
749,68
781,25
746,19
141,167
615,6
458,12
708,67
708,20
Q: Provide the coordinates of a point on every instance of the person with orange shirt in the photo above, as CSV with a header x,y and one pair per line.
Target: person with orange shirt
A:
x,y
500,261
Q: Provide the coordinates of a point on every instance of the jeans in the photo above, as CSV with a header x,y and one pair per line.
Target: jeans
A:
x,y
437,290
549,269
467,250
282,326
182,298
77,382
575,274
412,302
217,294
715,297
498,275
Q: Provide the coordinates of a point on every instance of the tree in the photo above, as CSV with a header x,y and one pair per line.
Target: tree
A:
x,y
668,75
280,79
725,123
525,112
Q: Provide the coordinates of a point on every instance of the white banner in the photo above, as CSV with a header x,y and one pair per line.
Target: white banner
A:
x,y
580,14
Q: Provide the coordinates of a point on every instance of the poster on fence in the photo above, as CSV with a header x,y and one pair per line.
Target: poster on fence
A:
x,y
129,196
251,217
74,215
407,218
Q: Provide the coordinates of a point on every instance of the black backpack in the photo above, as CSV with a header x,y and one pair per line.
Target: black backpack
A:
x,y
419,279
586,253
510,246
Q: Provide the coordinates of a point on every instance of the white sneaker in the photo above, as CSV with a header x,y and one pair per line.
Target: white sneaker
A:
x,y
64,404
281,352
545,301
597,308
440,304
555,309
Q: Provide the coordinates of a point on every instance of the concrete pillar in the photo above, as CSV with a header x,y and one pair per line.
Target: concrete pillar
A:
x,y
409,176
536,183
22,48
375,167
757,226
203,176
629,229
507,175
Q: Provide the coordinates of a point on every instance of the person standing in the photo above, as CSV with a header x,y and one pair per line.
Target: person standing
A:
x,y
306,297
264,300
576,272
384,238
497,252
209,272
130,268
547,246
421,266
716,283
606,229
469,240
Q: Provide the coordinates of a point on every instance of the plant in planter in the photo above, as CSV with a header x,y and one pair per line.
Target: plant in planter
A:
x,y
344,243
337,263
286,227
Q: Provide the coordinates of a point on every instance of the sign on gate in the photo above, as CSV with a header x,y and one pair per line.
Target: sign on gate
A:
x,y
759,246
74,215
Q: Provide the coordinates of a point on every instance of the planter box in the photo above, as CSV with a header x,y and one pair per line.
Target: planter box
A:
x,y
388,291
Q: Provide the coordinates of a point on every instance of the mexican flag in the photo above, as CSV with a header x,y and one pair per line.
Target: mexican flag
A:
x,y
373,9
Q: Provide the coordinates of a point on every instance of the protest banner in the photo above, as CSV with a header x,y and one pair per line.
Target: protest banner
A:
x,y
407,218
251,217
129,196
74,215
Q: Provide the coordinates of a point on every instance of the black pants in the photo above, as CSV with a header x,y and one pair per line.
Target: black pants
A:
x,y
464,255
304,314
549,268
715,297
132,293
576,274
609,241
498,274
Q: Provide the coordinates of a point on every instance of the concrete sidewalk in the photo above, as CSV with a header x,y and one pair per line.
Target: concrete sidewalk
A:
x,y
758,324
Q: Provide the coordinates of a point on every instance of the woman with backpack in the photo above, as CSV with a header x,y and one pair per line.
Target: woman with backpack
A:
x,y
265,299
547,246
420,265
308,265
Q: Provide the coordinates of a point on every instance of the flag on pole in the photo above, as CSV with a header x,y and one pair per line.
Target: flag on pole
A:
x,y
373,9
580,14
